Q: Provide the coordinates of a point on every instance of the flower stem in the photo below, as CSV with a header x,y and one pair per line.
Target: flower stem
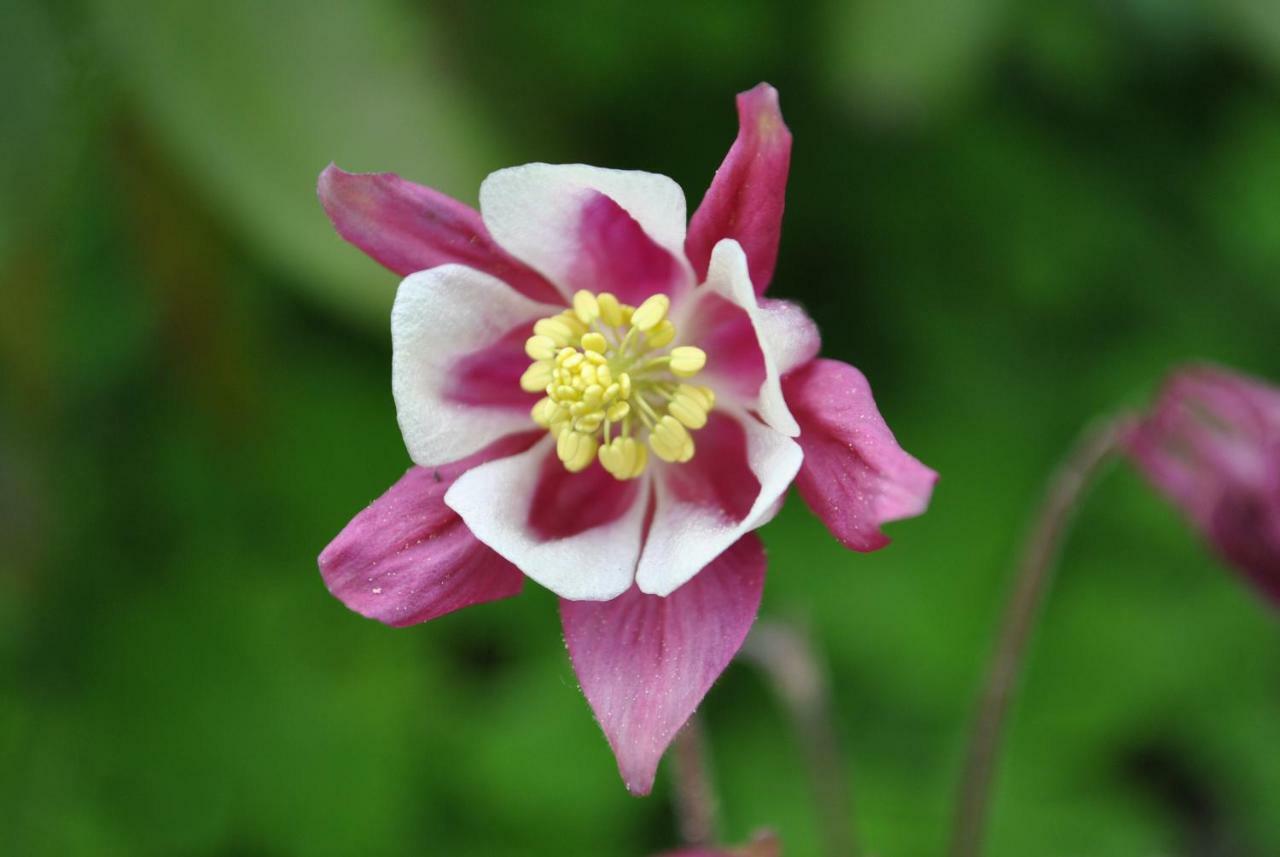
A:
x,y
695,798
788,659
1066,488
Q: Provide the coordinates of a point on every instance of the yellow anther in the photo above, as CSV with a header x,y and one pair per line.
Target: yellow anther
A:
x,y
610,455
589,423
540,347
670,440
639,455
556,328
661,335
609,373
623,458
688,410
575,324
536,377
653,310
585,307
687,360
670,427
663,449
544,412
610,309
576,449
704,396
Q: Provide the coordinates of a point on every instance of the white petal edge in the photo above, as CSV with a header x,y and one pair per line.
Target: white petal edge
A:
x,y
785,333
533,211
595,565
440,315
685,537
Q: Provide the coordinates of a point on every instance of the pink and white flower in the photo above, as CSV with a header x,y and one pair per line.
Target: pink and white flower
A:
x,y
602,400
1211,445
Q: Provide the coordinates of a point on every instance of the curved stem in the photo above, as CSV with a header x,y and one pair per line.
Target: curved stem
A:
x,y
788,659
1066,488
695,798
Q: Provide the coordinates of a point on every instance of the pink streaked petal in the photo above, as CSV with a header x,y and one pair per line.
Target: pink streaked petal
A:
x,y
721,328
407,557
615,255
730,487
535,212
746,197
776,336
567,504
407,227
490,377
646,662
855,476
439,315
497,501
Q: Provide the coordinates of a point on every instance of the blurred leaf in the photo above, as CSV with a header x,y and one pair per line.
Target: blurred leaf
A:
x,y
255,99
35,141
907,57
1254,25
1240,196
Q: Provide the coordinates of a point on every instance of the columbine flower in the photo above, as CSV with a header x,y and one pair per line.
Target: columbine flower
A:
x,y
1211,445
605,402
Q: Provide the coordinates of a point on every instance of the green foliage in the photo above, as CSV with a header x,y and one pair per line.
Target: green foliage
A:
x,y
1011,219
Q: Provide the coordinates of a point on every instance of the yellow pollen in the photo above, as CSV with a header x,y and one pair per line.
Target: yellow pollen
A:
x,y
614,389
651,312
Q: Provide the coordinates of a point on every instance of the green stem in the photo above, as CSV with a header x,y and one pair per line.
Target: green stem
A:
x,y
787,657
695,799
1092,450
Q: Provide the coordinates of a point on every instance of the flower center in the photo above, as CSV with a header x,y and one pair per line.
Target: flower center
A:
x,y
613,384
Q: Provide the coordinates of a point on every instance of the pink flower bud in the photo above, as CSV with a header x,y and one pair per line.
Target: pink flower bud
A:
x,y
1211,444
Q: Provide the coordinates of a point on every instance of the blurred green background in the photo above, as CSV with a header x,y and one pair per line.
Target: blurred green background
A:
x,y
1011,215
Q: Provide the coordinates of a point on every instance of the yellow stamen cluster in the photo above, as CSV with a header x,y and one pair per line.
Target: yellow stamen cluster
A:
x,y
612,382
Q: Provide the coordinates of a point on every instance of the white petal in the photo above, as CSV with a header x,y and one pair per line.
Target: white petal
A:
x,y
440,315
786,335
594,565
533,211
685,537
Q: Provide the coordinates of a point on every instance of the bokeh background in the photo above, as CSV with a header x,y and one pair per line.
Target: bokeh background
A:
x,y
1011,215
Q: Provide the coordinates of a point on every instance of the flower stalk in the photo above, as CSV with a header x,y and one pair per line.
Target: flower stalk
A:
x,y
1095,447
787,657
696,804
